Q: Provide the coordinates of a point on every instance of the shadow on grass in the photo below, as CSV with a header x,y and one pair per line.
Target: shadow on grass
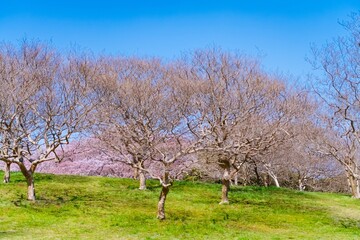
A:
x,y
7,234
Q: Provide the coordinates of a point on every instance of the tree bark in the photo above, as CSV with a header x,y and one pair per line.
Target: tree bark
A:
x,y
276,181
29,176
258,178
354,185
301,185
236,180
136,173
162,198
225,183
271,174
7,173
266,180
30,188
142,179
161,203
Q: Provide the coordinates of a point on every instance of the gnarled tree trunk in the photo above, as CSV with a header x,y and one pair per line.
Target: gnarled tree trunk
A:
x,y
353,185
139,172
162,198
226,180
142,179
7,173
136,173
30,187
29,176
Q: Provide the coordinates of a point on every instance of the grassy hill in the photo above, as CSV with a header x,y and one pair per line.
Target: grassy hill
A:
x,y
75,207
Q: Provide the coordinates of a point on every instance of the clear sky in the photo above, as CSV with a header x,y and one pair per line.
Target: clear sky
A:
x,y
280,31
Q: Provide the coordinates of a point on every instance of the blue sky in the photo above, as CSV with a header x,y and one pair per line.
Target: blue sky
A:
x,y
280,31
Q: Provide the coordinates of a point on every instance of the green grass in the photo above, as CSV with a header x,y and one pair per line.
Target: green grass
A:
x,y
74,207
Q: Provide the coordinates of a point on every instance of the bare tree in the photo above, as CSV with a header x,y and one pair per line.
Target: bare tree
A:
x,y
131,111
239,111
345,150
141,123
337,83
43,103
293,152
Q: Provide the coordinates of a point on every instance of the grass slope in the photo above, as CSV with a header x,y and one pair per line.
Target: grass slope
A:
x,y
74,207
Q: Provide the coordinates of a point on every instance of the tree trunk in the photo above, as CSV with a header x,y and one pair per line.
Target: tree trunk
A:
x,y
276,181
271,174
246,175
354,186
29,176
142,178
301,185
161,204
30,187
225,183
258,178
136,173
266,180
162,198
236,180
7,173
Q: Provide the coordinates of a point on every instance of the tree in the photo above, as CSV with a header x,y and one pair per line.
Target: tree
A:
x,y
130,112
337,84
141,124
44,101
238,112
